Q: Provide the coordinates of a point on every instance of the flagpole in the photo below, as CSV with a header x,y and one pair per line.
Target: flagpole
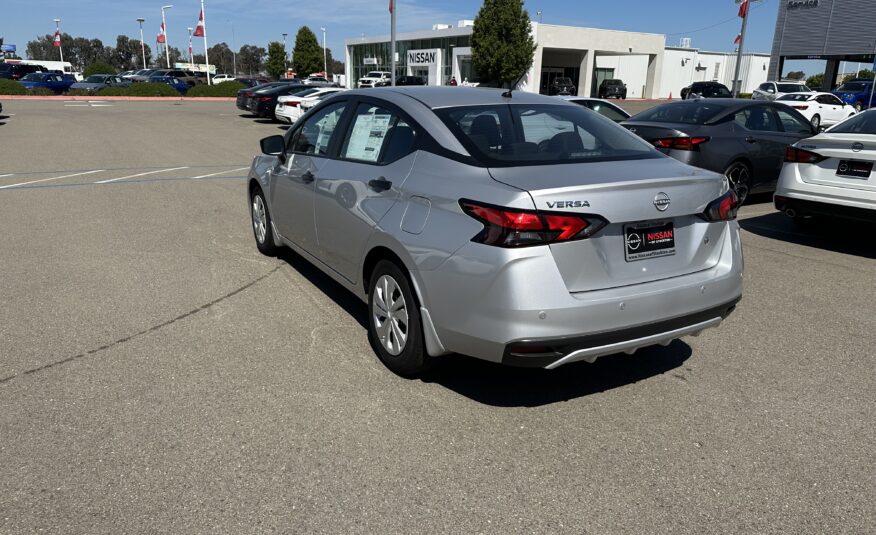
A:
x,y
392,39
191,50
166,43
60,45
737,83
206,56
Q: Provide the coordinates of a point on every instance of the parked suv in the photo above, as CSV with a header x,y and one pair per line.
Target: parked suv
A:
x,y
188,77
612,89
375,79
16,71
562,86
774,90
856,93
706,90
526,231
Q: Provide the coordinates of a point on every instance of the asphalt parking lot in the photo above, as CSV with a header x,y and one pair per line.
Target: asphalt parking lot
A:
x,y
158,375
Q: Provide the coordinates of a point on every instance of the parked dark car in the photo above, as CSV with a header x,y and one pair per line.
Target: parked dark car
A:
x,y
264,101
244,95
409,80
612,88
252,82
175,83
856,93
745,140
706,90
562,86
186,76
16,71
602,107
56,83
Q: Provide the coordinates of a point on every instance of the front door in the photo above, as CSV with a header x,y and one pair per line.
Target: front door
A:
x,y
293,182
357,189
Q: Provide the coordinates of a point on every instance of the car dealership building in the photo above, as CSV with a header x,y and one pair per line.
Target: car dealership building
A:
x,y
832,30
586,55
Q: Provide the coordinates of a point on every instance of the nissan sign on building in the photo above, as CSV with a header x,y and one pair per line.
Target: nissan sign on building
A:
x,y
832,30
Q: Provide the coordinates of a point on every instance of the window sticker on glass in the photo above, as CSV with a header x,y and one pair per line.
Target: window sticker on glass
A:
x,y
367,137
326,128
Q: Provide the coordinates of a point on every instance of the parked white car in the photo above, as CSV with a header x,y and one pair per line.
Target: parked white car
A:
x,y
831,174
600,106
822,109
774,90
219,78
375,79
316,98
289,108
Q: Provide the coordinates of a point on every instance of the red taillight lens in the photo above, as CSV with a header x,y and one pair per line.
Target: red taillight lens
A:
x,y
795,155
264,99
505,227
680,143
800,107
247,95
723,208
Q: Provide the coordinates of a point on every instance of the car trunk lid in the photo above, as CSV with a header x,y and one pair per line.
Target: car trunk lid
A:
x,y
851,150
629,195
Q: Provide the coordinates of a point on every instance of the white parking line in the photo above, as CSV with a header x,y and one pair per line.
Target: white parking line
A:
x,y
53,178
222,172
4,176
140,174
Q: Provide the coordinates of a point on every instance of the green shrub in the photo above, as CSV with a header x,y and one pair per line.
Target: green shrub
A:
x,y
745,95
11,87
79,93
98,68
40,92
144,89
224,89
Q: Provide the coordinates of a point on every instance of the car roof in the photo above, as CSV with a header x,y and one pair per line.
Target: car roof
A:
x,y
445,97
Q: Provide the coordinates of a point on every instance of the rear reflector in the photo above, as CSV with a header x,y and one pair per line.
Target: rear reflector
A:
x,y
509,227
795,155
723,208
680,143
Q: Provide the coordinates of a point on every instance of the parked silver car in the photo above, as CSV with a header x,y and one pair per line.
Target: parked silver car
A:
x,y
515,228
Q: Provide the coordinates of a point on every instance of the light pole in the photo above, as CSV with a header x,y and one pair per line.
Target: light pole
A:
x,y
324,55
285,55
58,31
142,44
233,46
191,52
166,43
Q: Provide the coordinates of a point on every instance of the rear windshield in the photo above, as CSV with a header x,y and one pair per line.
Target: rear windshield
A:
x,y
712,91
853,86
519,134
563,81
34,77
613,82
863,123
798,98
792,88
686,112
374,74
96,79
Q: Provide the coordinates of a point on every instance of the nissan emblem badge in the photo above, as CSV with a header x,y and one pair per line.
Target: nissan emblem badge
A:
x,y
661,201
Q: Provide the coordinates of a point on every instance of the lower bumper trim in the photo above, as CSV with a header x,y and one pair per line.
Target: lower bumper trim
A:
x,y
809,208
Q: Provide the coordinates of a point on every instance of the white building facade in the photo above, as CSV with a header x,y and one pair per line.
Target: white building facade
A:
x,y
684,66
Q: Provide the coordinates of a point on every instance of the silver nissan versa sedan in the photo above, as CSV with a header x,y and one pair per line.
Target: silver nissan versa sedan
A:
x,y
511,227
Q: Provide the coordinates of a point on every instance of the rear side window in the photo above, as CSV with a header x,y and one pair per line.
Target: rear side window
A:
x,y
687,112
512,135
757,119
377,135
793,124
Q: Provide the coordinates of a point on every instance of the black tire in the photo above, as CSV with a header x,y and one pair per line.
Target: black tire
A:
x,y
412,359
816,122
739,175
858,106
262,228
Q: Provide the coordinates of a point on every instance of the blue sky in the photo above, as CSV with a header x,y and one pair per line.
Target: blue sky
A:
x,y
258,22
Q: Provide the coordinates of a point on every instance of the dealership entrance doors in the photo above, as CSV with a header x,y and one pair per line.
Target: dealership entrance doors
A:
x,y
549,74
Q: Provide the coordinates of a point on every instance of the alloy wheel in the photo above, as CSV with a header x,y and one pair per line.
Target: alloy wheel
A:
x,y
259,218
390,315
740,180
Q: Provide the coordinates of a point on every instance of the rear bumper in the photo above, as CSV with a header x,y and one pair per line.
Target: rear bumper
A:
x,y
805,208
807,199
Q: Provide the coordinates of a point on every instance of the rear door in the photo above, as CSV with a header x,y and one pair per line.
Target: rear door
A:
x,y
759,127
355,190
292,182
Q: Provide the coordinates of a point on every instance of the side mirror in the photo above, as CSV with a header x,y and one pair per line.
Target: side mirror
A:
x,y
274,146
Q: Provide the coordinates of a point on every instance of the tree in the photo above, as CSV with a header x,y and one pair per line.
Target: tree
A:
x,y
334,66
161,58
502,46
251,58
98,68
796,75
307,55
863,73
815,81
222,57
276,65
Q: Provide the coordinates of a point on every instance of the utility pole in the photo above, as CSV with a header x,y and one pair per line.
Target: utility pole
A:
x,y
737,83
324,55
285,55
142,44
166,41
392,40
58,33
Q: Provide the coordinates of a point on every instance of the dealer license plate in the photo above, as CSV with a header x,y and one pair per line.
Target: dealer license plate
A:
x,y
853,169
648,240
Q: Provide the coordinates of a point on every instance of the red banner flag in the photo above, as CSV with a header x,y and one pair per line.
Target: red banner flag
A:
x,y
199,31
743,8
57,40
738,39
161,39
391,5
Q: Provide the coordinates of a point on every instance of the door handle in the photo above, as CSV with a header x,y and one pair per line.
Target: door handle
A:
x,y
307,177
750,139
379,184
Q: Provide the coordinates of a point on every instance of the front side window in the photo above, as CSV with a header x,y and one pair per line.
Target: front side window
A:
x,y
511,135
315,134
377,135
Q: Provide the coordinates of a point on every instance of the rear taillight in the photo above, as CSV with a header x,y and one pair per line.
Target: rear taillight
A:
x,y
795,155
506,227
680,143
264,99
800,107
247,95
723,208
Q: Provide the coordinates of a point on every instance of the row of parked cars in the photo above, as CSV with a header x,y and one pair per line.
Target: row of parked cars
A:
x,y
855,93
